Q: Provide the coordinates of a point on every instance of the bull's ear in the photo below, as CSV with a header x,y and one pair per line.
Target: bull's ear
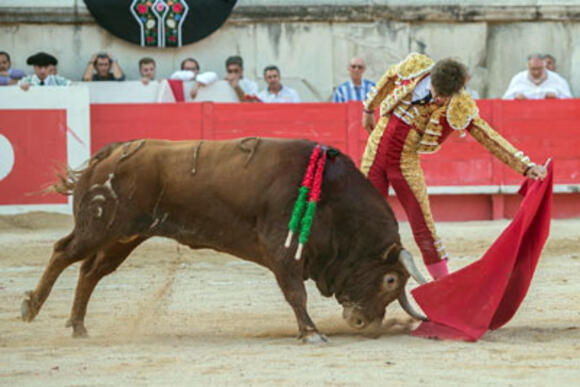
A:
x,y
391,254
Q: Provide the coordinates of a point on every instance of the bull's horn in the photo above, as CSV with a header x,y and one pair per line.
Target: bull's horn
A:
x,y
407,261
407,307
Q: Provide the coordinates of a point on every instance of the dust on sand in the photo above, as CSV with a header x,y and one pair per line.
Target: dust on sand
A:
x,y
170,315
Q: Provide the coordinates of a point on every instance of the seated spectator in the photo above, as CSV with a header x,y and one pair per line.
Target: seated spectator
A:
x,y
147,70
8,76
473,93
549,62
41,63
102,67
357,88
276,92
190,72
537,82
246,90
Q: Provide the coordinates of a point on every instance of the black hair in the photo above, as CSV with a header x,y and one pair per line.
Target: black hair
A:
x,y
235,60
190,60
271,68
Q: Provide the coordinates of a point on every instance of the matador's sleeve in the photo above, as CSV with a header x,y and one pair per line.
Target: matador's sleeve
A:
x,y
462,114
499,146
383,87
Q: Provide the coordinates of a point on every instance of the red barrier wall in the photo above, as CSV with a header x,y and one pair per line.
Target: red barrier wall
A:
x,y
39,144
541,128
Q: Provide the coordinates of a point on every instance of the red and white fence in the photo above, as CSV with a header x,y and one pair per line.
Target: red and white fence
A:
x,y
465,181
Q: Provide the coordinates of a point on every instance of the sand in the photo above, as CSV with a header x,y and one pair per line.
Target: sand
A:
x,y
174,316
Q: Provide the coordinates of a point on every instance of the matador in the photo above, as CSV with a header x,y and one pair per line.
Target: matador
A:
x,y
421,104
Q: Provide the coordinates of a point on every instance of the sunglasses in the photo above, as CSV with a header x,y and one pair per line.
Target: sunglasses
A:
x,y
357,67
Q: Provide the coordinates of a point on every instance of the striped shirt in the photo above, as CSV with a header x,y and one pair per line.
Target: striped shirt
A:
x,y
349,92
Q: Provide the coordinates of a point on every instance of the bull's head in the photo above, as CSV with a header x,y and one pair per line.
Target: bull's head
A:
x,y
366,295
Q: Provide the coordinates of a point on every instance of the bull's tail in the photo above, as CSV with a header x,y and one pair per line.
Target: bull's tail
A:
x,y
68,178
67,181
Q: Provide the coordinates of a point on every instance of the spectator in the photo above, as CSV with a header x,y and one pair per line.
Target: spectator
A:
x,y
276,92
474,94
549,62
357,88
147,70
190,72
537,82
8,76
246,90
41,63
102,67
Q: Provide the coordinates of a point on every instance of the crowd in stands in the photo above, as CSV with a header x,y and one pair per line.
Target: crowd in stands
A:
x,y
539,81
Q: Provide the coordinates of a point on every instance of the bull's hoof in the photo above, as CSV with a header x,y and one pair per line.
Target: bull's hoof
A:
x,y
80,332
27,309
314,338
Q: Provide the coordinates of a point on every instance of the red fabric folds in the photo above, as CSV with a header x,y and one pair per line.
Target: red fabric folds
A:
x,y
177,89
486,294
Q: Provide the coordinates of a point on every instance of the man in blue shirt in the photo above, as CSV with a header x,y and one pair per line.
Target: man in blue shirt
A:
x,y
8,76
357,88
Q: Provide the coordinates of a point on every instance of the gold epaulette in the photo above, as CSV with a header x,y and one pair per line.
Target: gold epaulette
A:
x,y
461,111
382,88
409,73
429,142
414,65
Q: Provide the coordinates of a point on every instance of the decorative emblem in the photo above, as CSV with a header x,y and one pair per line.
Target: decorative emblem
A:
x,y
160,21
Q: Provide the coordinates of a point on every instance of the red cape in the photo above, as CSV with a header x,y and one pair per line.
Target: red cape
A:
x,y
486,294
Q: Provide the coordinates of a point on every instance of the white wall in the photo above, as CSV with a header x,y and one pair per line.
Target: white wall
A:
x,y
313,55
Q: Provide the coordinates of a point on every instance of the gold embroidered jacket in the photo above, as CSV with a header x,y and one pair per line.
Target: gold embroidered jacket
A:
x,y
394,93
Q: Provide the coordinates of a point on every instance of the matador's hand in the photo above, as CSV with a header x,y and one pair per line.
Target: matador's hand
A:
x,y
537,172
368,121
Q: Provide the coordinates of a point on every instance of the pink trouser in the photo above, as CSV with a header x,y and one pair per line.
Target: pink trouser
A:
x,y
397,163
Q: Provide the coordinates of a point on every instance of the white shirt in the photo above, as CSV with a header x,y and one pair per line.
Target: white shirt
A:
x,y
51,80
422,89
521,84
206,78
285,95
249,87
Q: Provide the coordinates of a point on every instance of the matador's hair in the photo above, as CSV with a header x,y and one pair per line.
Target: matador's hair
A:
x,y
448,77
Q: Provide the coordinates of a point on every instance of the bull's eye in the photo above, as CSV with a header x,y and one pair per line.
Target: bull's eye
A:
x,y
390,281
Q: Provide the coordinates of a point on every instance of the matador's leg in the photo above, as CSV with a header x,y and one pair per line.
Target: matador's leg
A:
x,y
374,158
406,176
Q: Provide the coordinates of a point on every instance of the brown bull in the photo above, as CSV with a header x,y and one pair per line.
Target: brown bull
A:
x,y
236,197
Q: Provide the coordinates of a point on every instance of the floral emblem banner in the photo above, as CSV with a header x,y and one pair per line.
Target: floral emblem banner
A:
x,y
161,23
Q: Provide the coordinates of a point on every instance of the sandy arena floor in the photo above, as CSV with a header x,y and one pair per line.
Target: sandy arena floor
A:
x,y
173,316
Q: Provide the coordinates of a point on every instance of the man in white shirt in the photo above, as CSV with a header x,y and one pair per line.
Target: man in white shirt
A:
x,y
537,82
147,70
190,71
246,89
276,92
42,76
